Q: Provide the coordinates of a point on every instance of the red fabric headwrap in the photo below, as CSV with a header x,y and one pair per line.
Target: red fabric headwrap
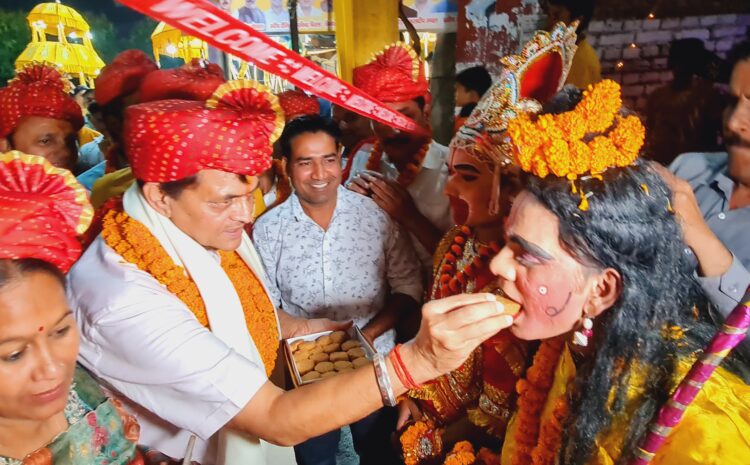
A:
x,y
193,81
296,103
395,75
42,211
233,131
37,90
123,76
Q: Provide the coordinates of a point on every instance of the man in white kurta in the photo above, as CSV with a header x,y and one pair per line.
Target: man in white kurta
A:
x,y
139,338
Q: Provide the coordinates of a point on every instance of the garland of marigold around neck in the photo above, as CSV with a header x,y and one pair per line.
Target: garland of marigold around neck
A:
x,y
536,443
587,140
135,243
410,172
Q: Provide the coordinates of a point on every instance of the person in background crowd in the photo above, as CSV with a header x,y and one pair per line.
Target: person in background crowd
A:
x,y
471,84
712,197
586,69
404,173
51,410
331,253
685,115
355,131
39,117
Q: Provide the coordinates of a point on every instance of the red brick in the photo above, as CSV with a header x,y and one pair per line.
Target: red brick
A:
x,y
671,23
660,63
651,51
690,22
613,53
651,24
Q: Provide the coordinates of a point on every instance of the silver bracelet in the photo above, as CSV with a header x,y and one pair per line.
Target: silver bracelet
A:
x,y
384,380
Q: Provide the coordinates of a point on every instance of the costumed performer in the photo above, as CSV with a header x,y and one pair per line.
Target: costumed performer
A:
x,y
174,271
475,402
404,173
51,410
39,117
595,258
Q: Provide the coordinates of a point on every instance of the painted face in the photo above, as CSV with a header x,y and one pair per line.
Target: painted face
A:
x,y
315,168
215,209
38,347
535,271
469,187
53,139
737,123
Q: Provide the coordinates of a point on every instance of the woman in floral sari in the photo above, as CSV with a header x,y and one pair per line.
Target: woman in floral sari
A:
x,y
51,410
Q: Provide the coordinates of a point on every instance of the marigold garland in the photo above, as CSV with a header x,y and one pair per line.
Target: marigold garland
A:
x,y
462,454
420,441
554,144
411,170
135,243
538,444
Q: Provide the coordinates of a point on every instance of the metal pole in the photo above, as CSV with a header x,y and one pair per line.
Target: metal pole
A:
x,y
293,26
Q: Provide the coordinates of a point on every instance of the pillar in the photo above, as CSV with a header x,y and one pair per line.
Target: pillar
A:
x,y
363,27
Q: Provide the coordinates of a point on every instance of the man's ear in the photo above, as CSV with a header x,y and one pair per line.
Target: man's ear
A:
x,y
5,145
606,289
157,198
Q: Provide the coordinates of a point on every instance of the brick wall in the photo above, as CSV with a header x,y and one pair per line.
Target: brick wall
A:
x,y
634,52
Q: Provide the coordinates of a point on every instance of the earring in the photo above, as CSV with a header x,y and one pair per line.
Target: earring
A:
x,y
582,336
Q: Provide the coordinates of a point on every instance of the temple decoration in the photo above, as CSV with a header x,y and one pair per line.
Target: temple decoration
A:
x,y
61,36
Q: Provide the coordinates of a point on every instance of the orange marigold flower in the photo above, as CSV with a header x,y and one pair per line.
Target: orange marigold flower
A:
x,y
602,154
580,157
601,103
558,158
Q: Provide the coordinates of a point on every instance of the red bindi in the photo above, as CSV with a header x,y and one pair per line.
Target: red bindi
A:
x,y
41,328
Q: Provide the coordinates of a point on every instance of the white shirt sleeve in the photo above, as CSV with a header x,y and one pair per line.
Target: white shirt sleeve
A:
x,y
145,343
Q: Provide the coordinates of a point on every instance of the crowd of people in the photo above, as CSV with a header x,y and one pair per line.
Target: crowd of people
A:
x,y
534,292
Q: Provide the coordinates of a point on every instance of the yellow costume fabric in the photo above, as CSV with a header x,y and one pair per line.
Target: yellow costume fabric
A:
x,y
714,431
111,185
86,135
586,69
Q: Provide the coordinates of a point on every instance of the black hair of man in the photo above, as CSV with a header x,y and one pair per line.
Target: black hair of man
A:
x,y
475,78
583,9
310,124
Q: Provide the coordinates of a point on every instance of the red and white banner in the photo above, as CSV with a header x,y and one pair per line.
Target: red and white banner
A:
x,y
202,19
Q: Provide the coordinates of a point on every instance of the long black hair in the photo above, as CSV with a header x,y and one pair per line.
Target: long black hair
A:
x,y
630,227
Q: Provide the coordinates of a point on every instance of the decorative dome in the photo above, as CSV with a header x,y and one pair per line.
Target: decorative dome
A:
x,y
166,40
62,37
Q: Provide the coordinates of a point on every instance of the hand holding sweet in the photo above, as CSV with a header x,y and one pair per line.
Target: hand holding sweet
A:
x,y
451,329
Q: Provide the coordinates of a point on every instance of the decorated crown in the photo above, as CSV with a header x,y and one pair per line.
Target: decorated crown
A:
x,y
528,79
586,141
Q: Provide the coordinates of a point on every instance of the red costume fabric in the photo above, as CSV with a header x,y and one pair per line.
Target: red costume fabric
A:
x,y
395,75
233,131
37,90
194,81
43,210
296,103
123,76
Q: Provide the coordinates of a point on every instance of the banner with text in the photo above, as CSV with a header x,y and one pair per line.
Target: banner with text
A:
x,y
202,19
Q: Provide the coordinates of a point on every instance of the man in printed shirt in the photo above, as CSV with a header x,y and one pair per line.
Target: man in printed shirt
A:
x,y
329,251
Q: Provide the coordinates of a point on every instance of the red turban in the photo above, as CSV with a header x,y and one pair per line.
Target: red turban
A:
x,y
296,103
233,131
193,81
38,90
43,210
395,75
123,76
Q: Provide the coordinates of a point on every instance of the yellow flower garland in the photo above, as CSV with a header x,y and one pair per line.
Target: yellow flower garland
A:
x,y
135,243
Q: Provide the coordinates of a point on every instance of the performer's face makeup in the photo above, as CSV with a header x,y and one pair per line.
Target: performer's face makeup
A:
x,y
535,271
469,187
314,168
53,139
38,347
213,211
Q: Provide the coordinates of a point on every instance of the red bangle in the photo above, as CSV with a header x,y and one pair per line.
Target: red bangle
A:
x,y
409,380
397,369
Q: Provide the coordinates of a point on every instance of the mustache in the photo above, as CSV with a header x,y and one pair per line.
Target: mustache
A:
x,y
732,139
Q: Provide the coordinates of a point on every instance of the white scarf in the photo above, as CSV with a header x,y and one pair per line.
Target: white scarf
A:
x,y
223,308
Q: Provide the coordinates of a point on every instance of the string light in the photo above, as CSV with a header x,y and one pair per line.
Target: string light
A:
x,y
171,49
73,35
651,16
633,45
620,65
